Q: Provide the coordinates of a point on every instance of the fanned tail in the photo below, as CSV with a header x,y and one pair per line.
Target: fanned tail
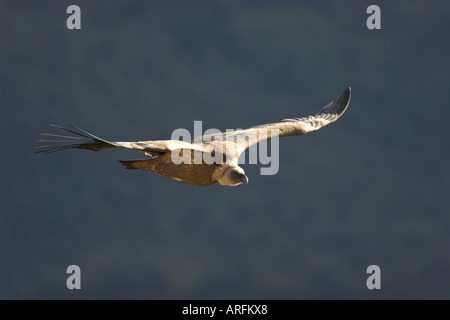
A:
x,y
81,140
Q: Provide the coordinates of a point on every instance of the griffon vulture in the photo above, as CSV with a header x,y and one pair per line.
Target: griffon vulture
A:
x,y
227,147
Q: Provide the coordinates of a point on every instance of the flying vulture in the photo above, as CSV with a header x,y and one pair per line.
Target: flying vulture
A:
x,y
205,161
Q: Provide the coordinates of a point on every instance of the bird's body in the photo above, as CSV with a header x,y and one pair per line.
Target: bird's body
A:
x,y
197,174
205,162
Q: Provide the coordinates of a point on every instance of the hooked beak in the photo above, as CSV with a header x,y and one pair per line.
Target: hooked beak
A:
x,y
245,179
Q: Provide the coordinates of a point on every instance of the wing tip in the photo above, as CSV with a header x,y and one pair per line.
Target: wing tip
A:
x,y
338,106
79,140
344,100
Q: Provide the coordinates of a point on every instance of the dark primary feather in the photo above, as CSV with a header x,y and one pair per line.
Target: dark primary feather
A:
x,y
331,111
339,106
82,140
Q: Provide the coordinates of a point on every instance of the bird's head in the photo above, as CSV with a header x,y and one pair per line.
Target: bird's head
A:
x,y
233,176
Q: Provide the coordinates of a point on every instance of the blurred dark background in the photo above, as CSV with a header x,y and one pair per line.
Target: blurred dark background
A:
x,y
372,188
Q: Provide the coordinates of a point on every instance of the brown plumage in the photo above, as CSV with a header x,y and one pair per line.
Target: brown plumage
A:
x,y
224,149
197,174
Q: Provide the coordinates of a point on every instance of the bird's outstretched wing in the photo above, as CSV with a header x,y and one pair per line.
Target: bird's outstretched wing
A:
x,y
81,139
289,127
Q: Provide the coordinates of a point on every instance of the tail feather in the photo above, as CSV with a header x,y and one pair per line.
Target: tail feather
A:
x,y
146,165
82,140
